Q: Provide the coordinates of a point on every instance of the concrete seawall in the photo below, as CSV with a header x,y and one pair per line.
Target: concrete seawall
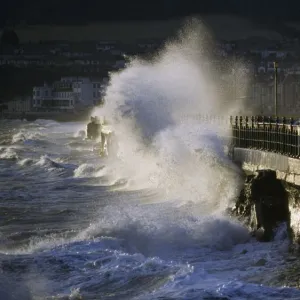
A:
x,y
252,160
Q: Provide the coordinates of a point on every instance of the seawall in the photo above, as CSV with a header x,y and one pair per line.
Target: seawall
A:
x,y
271,193
252,160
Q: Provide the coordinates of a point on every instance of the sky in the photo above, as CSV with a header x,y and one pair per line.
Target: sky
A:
x,y
76,11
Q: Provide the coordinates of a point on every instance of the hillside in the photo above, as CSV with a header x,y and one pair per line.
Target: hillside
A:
x,y
223,27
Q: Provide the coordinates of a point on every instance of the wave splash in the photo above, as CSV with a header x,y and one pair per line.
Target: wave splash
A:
x,y
153,103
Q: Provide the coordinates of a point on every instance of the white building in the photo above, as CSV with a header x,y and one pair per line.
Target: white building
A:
x,y
67,94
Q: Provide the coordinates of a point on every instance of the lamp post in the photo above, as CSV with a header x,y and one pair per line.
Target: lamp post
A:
x,y
276,83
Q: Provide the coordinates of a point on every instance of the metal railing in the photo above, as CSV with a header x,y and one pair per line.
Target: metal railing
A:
x,y
209,119
279,135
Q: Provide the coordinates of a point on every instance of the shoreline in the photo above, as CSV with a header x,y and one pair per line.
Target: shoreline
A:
x,y
59,116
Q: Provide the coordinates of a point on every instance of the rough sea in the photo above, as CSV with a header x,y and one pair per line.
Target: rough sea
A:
x,y
72,229
150,223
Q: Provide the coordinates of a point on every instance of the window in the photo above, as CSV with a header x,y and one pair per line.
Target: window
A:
x,y
94,85
98,85
46,93
38,93
94,94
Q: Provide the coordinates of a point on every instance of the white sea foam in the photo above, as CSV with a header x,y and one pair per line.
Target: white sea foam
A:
x,y
148,104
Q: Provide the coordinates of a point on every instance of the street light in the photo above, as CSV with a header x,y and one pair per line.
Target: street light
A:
x,y
275,68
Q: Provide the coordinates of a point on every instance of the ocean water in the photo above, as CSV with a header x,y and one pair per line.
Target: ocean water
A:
x,y
150,223
73,228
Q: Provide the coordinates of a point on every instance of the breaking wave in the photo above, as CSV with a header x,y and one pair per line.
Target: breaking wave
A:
x,y
149,104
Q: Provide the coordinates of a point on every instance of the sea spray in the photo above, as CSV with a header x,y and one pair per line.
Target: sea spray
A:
x,y
147,103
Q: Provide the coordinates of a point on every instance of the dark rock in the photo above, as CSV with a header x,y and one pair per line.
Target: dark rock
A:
x,y
263,203
244,251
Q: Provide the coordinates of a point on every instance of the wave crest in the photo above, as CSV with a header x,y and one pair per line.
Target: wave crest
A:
x,y
152,103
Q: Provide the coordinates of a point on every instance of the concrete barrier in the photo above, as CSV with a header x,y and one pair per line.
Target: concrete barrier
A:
x,y
252,160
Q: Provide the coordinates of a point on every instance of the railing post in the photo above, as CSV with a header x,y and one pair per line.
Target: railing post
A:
x,y
284,136
265,135
236,130
247,132
291,142
241,131
277,146
271,136
252,132
258,134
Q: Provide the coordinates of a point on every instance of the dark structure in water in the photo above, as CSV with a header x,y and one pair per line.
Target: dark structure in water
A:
x,y
108,144
264,203
93,129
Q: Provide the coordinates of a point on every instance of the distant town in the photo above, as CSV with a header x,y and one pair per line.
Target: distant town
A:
x,y
62,75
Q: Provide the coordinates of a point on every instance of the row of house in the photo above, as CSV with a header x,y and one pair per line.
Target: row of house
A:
x,y
62,54
67,94
71,93
91,61
260,53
